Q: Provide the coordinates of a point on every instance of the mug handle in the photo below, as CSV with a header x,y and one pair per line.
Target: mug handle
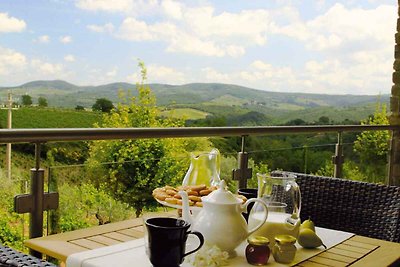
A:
x,y
265,214
200,237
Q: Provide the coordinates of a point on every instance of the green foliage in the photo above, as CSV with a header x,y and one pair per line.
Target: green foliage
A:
x,y
42,102
139,165
103,105
372,147
26,100
79,206
79,107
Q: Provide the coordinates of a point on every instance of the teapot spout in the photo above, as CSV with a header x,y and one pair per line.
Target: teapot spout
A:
x,y
185,207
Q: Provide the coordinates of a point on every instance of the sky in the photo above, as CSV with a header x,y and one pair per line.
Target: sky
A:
x,y
309,46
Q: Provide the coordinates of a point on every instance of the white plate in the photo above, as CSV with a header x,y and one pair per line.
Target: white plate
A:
x,y
176,206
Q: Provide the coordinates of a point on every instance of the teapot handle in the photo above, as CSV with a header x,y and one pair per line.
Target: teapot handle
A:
x,y
265,214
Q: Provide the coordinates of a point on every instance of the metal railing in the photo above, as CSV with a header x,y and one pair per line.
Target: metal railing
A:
x,y
38,201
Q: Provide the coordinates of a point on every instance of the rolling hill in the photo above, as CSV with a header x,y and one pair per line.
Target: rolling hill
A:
x,y
210,98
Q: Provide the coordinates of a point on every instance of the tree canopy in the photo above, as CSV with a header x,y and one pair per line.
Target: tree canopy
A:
x,y
42,102
26,100
103,105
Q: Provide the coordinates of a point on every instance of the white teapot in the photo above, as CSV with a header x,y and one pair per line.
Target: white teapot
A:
x,y
220,220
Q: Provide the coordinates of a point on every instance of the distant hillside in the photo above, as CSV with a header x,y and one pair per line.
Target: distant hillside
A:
x,y
211,98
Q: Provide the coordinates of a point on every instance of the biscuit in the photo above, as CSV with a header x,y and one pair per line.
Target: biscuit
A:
x,y
197,187
171,192
192,193
177,196
205,192
171,200
199,204
195,198
161,196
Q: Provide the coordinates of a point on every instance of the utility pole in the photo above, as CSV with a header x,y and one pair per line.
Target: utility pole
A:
x,y
9,126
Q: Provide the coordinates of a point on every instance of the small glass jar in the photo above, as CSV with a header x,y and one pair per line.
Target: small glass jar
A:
x,y
257,251
284,249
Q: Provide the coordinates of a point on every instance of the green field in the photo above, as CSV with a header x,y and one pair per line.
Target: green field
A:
x,y
49,118
185,113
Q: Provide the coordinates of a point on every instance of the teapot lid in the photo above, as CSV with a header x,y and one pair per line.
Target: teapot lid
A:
x,y
222,196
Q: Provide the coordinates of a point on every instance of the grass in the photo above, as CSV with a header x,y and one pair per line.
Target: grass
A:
x,y
34,117
185,113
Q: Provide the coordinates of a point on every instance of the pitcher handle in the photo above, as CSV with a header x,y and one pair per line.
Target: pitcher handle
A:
x,y
200,237
265,214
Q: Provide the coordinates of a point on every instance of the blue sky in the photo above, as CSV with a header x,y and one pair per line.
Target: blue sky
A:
x,y
320,46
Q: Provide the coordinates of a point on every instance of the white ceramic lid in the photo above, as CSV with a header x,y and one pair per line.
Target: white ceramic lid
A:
x,y
221,196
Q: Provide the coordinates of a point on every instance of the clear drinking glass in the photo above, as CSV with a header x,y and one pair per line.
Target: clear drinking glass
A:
x,y
283,199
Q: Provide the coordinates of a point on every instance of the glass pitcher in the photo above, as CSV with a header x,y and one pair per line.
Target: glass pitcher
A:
x,y
204,169
283,199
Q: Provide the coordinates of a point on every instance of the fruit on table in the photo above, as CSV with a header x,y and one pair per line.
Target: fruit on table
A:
x,y
307,237
308,224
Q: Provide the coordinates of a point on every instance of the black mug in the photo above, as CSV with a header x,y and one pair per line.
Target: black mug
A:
x,y
248,193
166,241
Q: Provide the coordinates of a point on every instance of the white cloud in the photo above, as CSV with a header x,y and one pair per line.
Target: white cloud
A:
x,y
112,73
65,39
11,61
133,7
364,27
159,74
11,24
69,58
108,27
172,9
44,39
46,68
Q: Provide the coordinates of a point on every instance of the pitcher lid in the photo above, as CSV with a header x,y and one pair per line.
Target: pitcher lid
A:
x,y
222,196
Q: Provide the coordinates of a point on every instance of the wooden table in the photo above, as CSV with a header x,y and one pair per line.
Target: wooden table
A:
x,y
358,251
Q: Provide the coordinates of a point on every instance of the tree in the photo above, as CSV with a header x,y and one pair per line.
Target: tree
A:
x,y
78,107
139,165
103,105
323,120
372,147
26,100
42,102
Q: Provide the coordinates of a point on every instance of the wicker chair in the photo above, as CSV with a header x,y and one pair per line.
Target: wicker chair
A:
x,y
362,208
12,258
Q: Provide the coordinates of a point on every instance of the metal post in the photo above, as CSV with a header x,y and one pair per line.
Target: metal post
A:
x,y
36,202
243,172
338,159
9,126
37,192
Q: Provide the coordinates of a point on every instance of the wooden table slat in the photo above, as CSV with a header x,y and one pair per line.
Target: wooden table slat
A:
x,y
131,232
329,255
328,262
359,244
86,243
347,253
354,249
120,237
310,264
104,240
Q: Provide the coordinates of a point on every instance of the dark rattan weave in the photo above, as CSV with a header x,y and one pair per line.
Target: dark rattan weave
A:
x,y
12,258
362,208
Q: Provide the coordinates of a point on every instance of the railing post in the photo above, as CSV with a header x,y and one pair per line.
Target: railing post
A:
x,y
338,159
243,172
36,202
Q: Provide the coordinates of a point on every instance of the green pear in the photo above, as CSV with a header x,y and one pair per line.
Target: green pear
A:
x,y
309,239
308,224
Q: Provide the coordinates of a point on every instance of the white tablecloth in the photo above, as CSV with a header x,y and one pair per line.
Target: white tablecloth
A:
x,y
132,253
